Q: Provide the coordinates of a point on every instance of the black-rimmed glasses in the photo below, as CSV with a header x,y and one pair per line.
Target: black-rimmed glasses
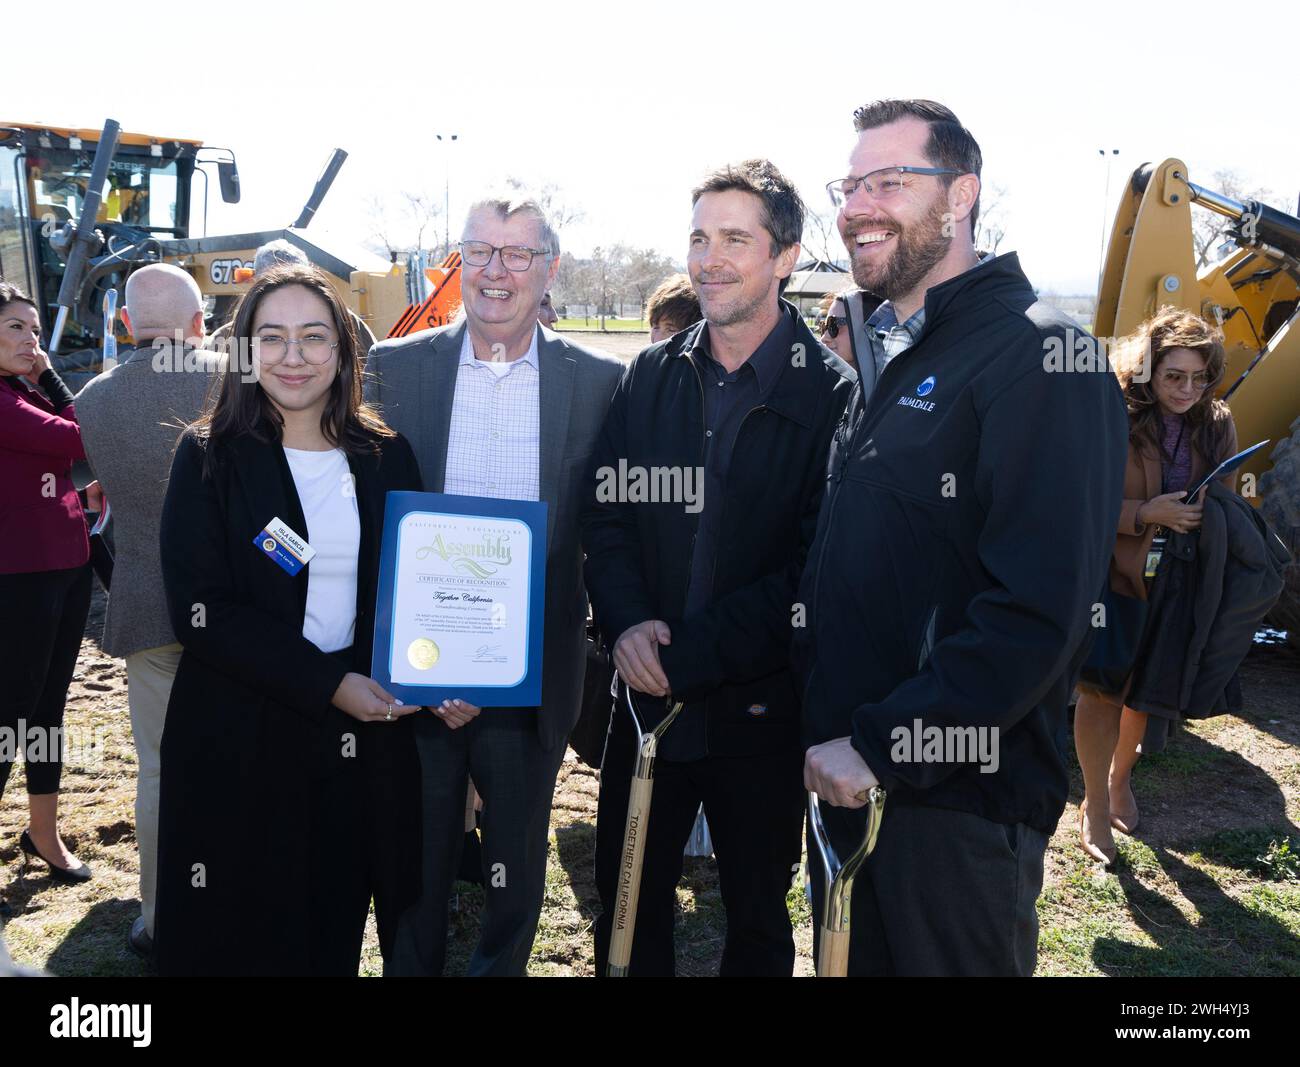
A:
x,y
517,258
879,184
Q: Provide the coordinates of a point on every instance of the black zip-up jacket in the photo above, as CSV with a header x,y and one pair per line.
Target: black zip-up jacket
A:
x,y
963,542
735,654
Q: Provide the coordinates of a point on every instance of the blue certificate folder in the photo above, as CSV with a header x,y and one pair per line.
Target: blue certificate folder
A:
x,y
463,606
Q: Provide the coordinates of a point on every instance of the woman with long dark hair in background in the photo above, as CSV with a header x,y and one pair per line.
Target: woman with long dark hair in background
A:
x,y
1178,432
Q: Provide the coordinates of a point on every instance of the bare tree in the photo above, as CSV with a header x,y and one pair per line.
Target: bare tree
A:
x,y
609,265
573,284
991,227
645,269
560,211
399,223
821,236
1209,230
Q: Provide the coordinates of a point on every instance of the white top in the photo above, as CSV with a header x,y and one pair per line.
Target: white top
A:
x,y
329,504
495,433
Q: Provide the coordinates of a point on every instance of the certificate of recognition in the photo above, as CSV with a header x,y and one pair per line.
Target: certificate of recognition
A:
x,y
460,600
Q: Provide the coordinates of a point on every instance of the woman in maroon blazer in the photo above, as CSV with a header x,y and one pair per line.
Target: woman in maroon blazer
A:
x,y
44,572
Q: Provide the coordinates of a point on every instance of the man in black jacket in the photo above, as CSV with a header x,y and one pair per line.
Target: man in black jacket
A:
x,y
969,515
701,507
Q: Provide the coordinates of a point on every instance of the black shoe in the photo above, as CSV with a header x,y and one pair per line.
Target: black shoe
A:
x,y
138,939
67,875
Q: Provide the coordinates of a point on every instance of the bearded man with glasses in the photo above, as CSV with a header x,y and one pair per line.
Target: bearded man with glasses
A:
x,y
496,405
964,537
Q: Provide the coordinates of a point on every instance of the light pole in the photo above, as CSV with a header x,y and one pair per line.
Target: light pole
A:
x,y
1105,202
446,191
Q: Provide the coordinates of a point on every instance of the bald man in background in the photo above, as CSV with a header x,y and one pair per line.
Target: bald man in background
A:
x,y
131,416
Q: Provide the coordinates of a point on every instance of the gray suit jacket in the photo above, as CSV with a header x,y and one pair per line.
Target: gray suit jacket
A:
x,y
413,381
131,417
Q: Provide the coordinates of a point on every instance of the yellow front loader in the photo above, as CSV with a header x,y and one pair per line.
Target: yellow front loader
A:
x,y
81,208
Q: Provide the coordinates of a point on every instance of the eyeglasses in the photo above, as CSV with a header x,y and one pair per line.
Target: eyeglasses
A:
x,y
831,324
515,258
1176,379
880,184
314,348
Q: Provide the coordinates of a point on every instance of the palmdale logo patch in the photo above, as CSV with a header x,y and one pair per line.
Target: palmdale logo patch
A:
x,y
924,389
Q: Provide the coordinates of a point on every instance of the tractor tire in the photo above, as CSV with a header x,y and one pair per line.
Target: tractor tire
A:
x,y
1279,489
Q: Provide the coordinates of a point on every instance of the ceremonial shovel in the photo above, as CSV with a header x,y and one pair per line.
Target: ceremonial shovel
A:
x,y
634,834
833,939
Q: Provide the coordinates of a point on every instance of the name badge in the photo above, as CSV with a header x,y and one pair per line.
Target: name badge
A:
x,y
284,546
1154,554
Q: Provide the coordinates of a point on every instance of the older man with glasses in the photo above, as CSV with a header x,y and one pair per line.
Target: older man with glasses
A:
x,y
496,407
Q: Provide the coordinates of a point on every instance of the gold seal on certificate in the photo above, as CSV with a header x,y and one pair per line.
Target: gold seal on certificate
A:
x,y
422,654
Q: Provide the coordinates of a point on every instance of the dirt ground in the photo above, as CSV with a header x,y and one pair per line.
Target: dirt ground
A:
x,y
1207,886
621,343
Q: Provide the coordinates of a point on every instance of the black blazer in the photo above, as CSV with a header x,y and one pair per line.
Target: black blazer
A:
x,y
236,612
251,738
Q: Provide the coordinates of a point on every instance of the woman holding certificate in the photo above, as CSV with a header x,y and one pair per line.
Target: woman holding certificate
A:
x,y
290,791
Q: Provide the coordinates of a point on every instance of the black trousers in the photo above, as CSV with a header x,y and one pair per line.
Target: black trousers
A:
x,y
943,893
754,805
269,855
42,619
515,776
338,883
365,841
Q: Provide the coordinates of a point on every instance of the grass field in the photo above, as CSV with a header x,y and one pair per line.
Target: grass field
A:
x,y
611,325
1210,885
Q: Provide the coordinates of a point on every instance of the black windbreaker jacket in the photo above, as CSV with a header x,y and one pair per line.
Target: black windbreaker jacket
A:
x,y
735,654
963,541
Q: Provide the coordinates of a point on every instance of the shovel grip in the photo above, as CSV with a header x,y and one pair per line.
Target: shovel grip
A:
x,y
629,876
832,953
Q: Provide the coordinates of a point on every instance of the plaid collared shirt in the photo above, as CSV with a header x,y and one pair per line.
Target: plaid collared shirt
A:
x,y
495,435
889,337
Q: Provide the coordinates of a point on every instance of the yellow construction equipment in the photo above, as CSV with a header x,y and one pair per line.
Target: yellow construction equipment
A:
x,y
81,208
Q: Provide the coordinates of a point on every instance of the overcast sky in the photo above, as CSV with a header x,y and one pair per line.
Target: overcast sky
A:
x,y
623,107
